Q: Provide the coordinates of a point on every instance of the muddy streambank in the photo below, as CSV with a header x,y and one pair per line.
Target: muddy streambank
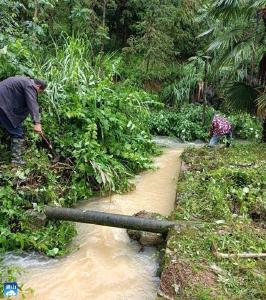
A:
x,y
107,264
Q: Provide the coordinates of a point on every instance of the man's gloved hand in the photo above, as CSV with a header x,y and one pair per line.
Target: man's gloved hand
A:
x,y
38,127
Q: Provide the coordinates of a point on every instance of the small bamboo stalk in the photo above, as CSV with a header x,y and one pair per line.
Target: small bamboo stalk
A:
x,y
240,255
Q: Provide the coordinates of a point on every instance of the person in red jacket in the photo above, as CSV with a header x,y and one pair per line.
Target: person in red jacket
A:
x,y
220,127
18,99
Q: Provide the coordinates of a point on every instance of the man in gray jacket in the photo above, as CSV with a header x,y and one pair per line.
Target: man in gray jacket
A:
x,y
18,99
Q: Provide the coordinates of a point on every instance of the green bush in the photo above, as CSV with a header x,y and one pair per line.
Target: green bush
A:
x,y
98,124
187,123
99,132
246,126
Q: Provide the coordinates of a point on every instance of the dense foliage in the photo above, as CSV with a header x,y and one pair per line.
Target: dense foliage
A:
x,y
102,123
100,138
231,69
187,125
224,190
96,112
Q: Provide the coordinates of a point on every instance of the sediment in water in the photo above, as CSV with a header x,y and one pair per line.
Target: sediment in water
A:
x,y
107,265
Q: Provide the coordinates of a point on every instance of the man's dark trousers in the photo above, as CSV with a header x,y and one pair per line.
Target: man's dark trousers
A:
x,y
16,133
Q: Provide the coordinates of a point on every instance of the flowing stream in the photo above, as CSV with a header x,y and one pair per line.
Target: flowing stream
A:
x,y
107,265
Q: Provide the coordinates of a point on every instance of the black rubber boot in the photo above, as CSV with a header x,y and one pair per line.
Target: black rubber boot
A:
x,y
16,151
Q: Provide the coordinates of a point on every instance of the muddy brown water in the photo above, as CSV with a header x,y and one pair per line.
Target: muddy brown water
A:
x,y
107,264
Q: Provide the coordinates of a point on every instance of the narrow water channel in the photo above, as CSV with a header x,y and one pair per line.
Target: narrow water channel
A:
x,y
107,264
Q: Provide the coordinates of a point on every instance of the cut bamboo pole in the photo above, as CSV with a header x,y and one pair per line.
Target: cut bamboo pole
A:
x,y
108,219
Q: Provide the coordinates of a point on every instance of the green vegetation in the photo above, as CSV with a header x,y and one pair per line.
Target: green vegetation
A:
x,y
186,123
225,190
99,133
117,72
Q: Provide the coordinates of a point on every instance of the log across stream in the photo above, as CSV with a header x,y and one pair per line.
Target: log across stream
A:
x,y
108,219
107,264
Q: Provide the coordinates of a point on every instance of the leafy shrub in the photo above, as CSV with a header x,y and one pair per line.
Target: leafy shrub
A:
x,y
96,123
246,126
15,59
32,187
187,123
99,132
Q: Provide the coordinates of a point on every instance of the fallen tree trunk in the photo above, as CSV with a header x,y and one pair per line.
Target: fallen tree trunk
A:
x,y
108,219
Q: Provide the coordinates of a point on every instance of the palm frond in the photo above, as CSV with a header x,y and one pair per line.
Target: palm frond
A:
x,y
207,32
229,9
261,104
189,75
259,3
241,97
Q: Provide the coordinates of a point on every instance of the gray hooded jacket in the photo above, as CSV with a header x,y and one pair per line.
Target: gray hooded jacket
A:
x,y
18,99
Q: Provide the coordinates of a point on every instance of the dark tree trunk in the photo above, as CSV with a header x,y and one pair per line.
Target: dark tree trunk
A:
x,y
262,70
121,28
35,18
103,24
264,131
205,84
71,18
36,11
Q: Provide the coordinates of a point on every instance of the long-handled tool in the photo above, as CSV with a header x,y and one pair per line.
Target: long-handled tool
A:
x,y
49,145
46,141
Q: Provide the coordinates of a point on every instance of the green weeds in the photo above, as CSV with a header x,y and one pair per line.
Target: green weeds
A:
x,y
225,189
187,123
100,138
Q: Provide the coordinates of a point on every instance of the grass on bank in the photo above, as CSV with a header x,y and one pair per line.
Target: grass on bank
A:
x,y
226,190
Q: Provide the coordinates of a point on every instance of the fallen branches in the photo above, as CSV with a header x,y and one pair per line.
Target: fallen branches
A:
x,y
235,255
240,255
